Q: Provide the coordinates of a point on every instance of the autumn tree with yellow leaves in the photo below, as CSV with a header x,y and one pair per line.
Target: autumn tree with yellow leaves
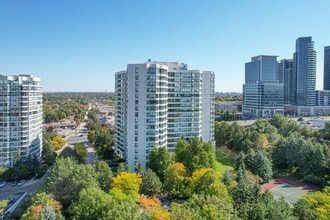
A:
x,y
127,183
58,142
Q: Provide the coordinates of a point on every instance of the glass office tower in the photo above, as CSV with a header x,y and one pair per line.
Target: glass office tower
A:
x,y
262,90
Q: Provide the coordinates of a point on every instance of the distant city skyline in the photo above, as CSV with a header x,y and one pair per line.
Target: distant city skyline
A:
x,y
79,45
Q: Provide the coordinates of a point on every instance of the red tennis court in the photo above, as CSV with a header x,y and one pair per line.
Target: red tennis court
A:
x,y
290,190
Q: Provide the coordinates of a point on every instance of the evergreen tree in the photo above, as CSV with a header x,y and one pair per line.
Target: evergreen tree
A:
x,y
262,167
151,185
121,168
227,178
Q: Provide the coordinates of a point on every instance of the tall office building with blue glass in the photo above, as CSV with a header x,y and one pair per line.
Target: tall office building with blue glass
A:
x,y
304,67
262,90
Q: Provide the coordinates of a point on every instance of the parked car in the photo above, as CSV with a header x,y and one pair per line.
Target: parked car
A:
x,y
11,201
3,183
21,183
14,183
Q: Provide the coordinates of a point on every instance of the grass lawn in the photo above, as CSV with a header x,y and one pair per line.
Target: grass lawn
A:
x,y
225,160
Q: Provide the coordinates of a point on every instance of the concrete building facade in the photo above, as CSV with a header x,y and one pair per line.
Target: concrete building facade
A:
x,y
157,103
20,118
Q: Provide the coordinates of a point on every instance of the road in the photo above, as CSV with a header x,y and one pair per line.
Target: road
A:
x,y
80,137
91,156
9,192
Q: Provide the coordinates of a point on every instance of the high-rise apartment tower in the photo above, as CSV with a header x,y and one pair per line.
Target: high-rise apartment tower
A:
x,y
326,80
304,68
157,103
20,118
285,73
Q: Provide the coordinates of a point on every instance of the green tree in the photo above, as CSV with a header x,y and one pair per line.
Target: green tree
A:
x,y
21,170
210,184
203,207
246,191
81,152
181,211
233,136
227,178
240,160
284,125
121,168
266,207
92,115
316,158
304,210
278,155
262,126
174,183
104,143
93,203
317,204
67,178
160,161
3,204
48,152
41,170
262,167
69,152
195,155
104,175
221,132
151,185
249,158
311,158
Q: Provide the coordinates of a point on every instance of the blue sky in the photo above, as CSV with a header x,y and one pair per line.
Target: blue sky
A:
x,y
78,45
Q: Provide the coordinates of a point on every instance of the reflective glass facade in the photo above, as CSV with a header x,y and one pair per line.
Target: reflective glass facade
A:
x,y
261,68
262,91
